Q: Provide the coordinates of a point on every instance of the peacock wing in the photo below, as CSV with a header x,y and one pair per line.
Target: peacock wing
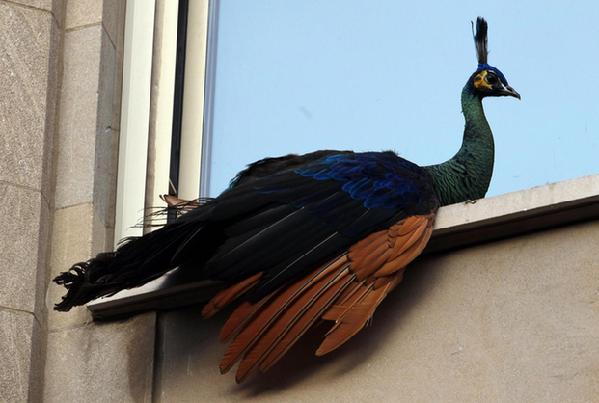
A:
x,y
301,244
347,290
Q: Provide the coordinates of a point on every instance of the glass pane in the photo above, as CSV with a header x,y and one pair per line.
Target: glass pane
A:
x,y
300,75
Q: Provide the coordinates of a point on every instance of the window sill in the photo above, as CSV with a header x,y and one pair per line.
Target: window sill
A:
x,y
456,226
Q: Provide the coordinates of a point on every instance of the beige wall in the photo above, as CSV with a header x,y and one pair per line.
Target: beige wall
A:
x,y
30,46
511,320
59,126
86,361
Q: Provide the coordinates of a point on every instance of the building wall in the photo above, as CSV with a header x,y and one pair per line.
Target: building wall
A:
x,y
512,320
509,321
59,126
30,46
86,361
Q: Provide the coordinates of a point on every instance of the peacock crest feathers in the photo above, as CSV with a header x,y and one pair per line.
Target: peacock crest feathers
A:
x,y
481,43
480,40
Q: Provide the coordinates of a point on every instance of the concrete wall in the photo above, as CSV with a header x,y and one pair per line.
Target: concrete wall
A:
x,y
87,361
59,126
30,46
511,320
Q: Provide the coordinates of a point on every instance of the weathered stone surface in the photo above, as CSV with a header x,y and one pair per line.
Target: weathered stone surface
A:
x,y
43,258
55,56
83,12
77,124
20,219
514,203
118,77
87,12
78,234
16,330
106,138
101,362
72,236
510,321
26,57
56,7
41,4
112,12
87,151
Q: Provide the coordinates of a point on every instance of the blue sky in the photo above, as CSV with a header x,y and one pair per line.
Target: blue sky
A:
x,y
301,75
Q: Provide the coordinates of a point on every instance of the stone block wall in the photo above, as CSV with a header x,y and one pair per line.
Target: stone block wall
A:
x,y
60,80
86,361
30,48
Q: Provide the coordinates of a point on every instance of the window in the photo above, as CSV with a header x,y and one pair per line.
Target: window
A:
x,y
163,107
301,75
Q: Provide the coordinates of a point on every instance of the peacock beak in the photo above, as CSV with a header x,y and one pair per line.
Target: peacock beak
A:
x,y
509,91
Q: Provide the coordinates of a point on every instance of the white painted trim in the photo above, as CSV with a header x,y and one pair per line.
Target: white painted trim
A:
x,y
193,100
162,100
135,112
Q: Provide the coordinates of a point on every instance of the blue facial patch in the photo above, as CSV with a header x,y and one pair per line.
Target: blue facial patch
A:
x,y
493,69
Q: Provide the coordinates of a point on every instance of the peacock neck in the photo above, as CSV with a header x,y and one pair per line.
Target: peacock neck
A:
x,y
467,175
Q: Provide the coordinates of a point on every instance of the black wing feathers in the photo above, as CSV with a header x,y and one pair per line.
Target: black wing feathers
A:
x,y
271,166
480,40
282,218
291,221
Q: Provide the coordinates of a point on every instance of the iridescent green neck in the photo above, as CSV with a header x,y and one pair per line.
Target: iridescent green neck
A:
x,y
467,175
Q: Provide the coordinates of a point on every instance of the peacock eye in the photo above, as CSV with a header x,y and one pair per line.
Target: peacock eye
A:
x,y
491,79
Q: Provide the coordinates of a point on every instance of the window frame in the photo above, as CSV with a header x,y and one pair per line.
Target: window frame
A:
x,y
135,117
156,108
164,87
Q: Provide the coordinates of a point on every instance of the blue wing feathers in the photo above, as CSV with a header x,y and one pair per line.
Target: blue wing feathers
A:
x,y
379,180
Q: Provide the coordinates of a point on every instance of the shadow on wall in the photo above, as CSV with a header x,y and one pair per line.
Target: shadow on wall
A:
x,y
189,347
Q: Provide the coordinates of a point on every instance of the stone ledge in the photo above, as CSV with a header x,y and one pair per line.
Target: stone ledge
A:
x,y
515,213
456,226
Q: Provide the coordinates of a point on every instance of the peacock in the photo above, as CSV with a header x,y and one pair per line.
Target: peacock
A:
x,y
304,238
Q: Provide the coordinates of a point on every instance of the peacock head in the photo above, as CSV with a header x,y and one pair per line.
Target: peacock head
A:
x,y
488,81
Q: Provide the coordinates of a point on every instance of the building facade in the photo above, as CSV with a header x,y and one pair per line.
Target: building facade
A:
x,y
504,307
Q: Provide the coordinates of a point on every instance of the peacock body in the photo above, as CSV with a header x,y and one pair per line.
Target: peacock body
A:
x,y
300,238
